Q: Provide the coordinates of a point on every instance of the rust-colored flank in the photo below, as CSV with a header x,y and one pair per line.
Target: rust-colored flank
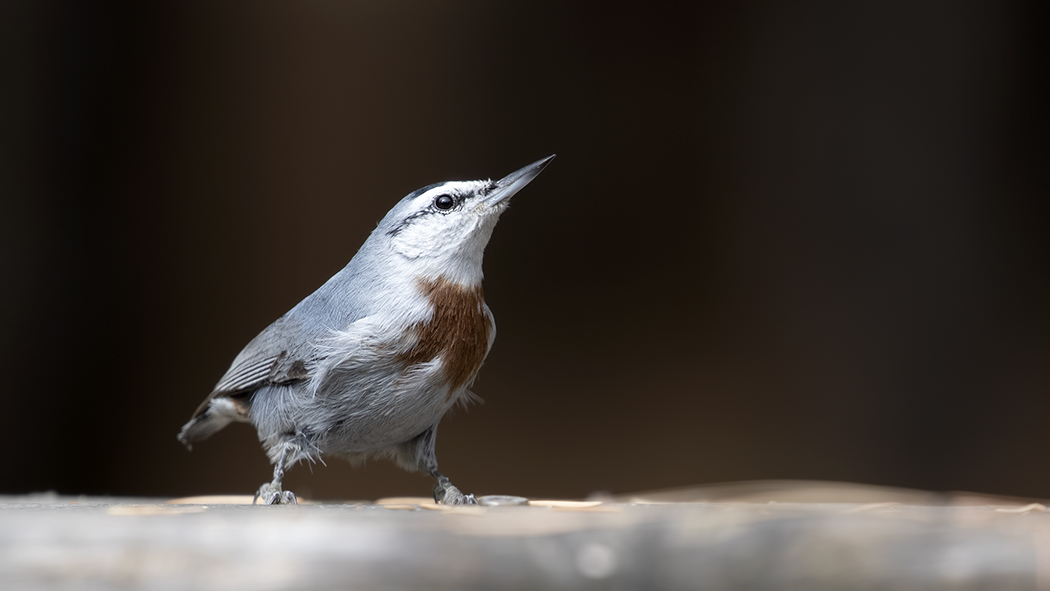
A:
x,y
458,331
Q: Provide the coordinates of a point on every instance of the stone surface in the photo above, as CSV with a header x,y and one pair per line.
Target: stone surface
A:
x,y
94,543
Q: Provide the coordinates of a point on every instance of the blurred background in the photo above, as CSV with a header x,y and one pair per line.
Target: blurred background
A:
x,y
780,240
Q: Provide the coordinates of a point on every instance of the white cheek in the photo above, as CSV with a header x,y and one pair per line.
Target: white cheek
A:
x,y
409,246
432,236
451,248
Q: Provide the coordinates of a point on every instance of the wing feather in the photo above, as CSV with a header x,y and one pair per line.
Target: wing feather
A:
x,y
287,351
247,376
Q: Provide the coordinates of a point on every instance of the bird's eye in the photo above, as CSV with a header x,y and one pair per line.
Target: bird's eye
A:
x,y
444,202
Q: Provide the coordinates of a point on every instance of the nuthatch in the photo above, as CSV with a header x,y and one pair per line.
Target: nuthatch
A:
x,y
368,364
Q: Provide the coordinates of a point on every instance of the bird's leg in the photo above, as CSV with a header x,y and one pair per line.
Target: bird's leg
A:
x,y
271,493
447,494
422,450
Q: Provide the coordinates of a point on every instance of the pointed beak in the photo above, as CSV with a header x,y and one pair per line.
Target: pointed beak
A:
x,y
513,182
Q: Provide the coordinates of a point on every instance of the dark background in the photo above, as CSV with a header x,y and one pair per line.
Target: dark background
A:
x,y
780,240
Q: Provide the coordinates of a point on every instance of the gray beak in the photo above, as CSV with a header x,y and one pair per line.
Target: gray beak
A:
x,y
513,182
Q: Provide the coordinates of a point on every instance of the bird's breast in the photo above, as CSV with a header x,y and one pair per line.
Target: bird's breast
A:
x,y
457,331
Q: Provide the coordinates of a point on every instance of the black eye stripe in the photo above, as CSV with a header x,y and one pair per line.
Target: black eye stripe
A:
x,y
443,203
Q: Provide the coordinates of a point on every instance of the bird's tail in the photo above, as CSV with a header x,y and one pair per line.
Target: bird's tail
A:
x,y
211,418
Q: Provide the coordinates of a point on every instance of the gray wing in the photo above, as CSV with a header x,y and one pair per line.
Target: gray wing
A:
x,y
285,351
280,354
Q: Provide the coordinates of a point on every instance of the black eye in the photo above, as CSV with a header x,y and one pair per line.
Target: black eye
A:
x,y
444,202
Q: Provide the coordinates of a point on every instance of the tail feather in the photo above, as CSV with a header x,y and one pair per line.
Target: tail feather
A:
x,y
219,413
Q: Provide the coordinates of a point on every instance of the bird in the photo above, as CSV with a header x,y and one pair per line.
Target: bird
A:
x,y
367,365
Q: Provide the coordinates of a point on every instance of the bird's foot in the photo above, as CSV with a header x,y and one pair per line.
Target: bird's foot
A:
x,y
447,494
272,494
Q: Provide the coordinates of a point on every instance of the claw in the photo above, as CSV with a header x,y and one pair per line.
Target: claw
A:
x,y
447,494
270,494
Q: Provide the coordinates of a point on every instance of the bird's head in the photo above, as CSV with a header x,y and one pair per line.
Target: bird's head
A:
x,y
441,230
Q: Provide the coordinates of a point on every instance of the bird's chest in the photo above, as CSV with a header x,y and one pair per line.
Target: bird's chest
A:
x,y
456,336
